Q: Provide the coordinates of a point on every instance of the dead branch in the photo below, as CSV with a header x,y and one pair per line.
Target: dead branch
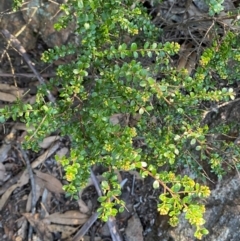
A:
x,y
11,39
27,75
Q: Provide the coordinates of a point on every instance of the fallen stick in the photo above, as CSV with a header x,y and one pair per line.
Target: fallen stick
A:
x,y
27,75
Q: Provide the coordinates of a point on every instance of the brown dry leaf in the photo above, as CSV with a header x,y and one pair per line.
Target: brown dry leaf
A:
x,y
8,139
62,152
2,172
191,63
119,177
153,120
134,119
66,231
7,97
48,141
88,238
184,52
4,151
22,181
68,218
22,127
188,57
40,182
45,155
10,93
40,226
11,89
25,177
121,119
83,208
31,100
51,182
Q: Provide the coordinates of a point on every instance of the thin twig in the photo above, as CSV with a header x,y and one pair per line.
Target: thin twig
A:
x,y
12,69
204,37
27,75
30,171
24,54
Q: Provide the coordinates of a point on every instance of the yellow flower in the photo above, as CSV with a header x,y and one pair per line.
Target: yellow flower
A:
x,y
108,147
70,177
133,131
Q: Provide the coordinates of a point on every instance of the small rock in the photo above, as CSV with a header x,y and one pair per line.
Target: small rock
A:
x,y
134,230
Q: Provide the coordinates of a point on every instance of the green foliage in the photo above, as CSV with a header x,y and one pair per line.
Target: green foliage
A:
x,y
223,58
108,77
215,6
111,190
17,4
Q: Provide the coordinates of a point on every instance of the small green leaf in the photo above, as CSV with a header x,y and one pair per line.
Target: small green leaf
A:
x,y
176,187
143,83
104,184
80,3
144,174
133,47
193,142
144,164
45,108
151,81
86,25
123,55
121,209
198,148
124,46
180,110
2,119
146,45
154,45
135,55
102,199
75,71
141,111
163,88
116,192
176,138
224,90
150,107
149,54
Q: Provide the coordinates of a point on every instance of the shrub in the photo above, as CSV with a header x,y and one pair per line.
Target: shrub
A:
x,y
156,103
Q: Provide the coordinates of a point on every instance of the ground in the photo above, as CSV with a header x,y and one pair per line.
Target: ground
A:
x,y
56,216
